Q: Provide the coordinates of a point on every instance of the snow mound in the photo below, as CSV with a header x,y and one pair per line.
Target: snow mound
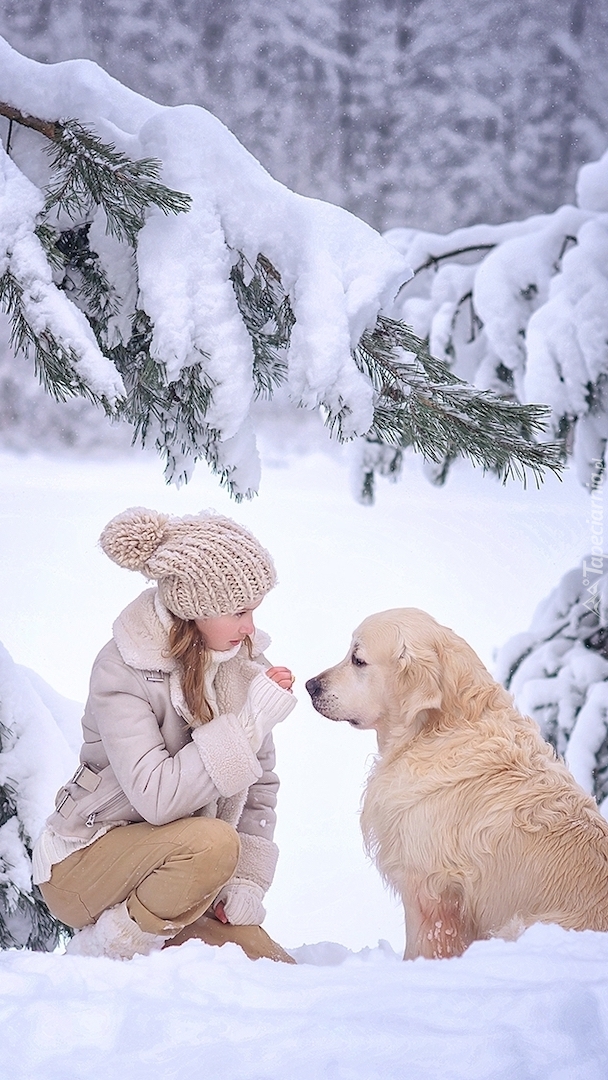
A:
x,y
536,1008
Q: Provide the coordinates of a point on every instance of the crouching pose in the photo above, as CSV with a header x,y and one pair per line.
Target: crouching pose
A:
x,y
165,831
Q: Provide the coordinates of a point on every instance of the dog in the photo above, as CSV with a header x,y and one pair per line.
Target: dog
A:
x,y
468,814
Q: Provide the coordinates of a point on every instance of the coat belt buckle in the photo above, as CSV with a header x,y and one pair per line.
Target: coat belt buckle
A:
x,y
65,803
154,676
86,778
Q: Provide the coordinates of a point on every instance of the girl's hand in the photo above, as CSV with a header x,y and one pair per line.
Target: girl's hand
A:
x,y
219,912
282,676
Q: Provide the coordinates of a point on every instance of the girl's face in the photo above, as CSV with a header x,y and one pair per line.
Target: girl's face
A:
x,y
223,632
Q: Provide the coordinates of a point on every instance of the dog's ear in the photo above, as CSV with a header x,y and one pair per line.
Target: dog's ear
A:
x,y
419,678
468,688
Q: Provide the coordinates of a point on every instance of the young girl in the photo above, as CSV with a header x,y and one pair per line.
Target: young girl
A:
x,y
165,830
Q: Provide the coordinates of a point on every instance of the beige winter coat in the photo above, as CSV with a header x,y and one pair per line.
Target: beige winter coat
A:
x,y
143,757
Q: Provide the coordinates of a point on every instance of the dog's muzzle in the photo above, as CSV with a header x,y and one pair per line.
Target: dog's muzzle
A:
x,y
324,702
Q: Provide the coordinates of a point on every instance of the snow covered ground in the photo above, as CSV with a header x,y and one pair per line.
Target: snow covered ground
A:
x,y
534,1010
479,557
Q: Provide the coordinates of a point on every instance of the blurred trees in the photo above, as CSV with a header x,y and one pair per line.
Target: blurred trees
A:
x,y
406,112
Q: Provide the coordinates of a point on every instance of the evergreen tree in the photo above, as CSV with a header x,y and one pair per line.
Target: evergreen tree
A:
x,y
558,672
34,761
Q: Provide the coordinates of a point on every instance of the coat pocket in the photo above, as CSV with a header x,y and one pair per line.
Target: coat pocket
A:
x,y
115,807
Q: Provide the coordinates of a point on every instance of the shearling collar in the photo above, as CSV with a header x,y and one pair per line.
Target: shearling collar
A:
x,y
141,633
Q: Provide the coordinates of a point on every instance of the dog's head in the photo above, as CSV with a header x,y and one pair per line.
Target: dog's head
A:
x,y
401,669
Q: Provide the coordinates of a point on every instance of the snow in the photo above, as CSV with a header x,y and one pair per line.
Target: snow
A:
x,y
477,555
514,279
535,1009
588,734
34,753
558,669
591,191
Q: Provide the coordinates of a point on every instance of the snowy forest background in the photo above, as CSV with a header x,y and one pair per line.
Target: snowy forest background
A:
x,y
424,113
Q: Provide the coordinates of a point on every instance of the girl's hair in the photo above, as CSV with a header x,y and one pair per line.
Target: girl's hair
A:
x,y
187,646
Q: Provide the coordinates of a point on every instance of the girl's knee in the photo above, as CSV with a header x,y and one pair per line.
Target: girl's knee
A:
x,y
215,850
212,834
227,839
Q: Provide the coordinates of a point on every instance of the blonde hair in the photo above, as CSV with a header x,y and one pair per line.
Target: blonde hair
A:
x,y
187,646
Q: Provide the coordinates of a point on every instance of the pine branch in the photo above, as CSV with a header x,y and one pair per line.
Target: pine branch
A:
x,y
54,364
48,237
172,412
46,932
45,127
21,912
82,275
93,173
433,260
421,403
269,319
90,173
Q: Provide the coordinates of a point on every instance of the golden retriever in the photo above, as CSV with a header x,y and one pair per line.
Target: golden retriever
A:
x,y
468,814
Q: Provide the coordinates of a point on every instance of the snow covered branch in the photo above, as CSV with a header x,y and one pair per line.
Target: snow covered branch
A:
x,y
522,309
174,304
558,671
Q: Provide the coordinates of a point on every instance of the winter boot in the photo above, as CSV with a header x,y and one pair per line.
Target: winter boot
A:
x,y
253,940
116,935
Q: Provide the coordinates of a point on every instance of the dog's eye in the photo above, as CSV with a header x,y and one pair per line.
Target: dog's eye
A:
x,y
357,661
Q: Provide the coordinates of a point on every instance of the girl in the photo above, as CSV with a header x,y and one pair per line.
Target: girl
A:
x,y
165,830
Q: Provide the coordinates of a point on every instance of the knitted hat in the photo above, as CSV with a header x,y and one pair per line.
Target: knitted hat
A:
x,y
205,565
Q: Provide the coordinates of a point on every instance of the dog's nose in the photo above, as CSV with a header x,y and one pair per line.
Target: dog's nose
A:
x,y
314,686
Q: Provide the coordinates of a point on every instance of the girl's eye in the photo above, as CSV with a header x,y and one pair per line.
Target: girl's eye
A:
x,y
357,661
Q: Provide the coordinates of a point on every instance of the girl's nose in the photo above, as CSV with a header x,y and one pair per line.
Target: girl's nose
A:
x,y
247,627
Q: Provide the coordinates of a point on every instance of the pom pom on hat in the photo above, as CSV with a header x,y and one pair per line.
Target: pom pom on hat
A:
x,y
132,537
205,565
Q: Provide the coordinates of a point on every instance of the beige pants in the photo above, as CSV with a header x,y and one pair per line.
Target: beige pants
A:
x,y
168,874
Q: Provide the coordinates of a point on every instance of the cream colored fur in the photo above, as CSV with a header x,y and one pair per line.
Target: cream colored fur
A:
x,y
468,814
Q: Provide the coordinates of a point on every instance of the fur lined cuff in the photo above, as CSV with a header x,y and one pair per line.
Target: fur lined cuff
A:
x,y
257,861
226,754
